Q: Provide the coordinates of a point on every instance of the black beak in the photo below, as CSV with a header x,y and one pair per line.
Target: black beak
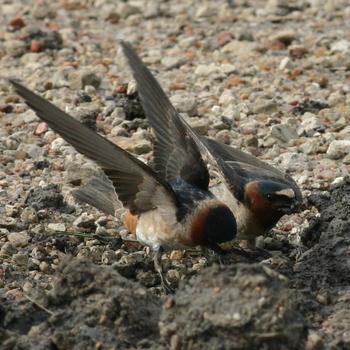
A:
x,y
291,207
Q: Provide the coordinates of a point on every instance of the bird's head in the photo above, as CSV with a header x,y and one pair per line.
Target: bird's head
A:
x,y
271,198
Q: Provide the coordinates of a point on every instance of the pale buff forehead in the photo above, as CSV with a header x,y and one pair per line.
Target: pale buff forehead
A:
x,y
288,192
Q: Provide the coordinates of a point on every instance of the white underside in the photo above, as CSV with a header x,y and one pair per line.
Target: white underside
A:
x,y
159,227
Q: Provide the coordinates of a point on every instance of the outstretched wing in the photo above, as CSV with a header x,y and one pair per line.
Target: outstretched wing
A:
x,y
137,186
243,165
175,152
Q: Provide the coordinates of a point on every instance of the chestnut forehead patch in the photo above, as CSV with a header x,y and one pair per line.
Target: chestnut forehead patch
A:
x,y
287,192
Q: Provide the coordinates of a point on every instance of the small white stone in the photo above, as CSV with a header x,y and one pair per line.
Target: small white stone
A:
x,y
204,70
227,98
132,87
337,180
340,46
285,63
228,68
205,11
56,227
338,149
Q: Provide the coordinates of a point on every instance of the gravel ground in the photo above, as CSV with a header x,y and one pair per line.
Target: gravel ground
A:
x,y
270,77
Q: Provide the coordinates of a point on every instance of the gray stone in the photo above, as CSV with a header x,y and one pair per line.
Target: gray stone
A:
x,y
171,62
125,10
338,149
185,103
310,146
310,125
204,70
227,98
293,161
15,48
283,132
264,106
18,239
200,125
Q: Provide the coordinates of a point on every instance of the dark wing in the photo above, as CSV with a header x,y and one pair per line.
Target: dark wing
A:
x,y
175,152
100,193
136,185
240,167
228,153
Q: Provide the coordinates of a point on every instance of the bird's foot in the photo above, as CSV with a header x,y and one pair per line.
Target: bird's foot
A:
x,y
158,267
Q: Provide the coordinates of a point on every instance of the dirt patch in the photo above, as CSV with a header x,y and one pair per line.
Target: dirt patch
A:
x,y
89,307
238,307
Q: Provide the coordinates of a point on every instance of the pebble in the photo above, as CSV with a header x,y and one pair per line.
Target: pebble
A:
x,y
80,79
59,227
264,106
108,257
297,51
41,128
133,144
15,48
185,103
310,146
338,149
18,239
342,45
227,99
283,132
7,250
200,125
310,125
205,10
17,22
205,70
286,63
85,220
45,267
172,62
290,161
151,10
285,36
126,10
20,259
36,46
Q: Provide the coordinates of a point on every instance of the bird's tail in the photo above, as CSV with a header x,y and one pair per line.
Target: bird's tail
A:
x,y
99,193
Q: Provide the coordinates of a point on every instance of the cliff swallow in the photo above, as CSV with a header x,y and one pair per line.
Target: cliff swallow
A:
x,y
257,193
178,211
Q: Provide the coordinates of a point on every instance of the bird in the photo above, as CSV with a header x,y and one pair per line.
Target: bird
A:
x,y
257,193
176,213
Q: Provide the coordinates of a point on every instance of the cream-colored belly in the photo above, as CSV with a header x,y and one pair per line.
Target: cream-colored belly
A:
x,y
159,227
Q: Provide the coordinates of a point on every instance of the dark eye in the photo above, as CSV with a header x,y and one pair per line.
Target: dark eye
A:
x,y
269,196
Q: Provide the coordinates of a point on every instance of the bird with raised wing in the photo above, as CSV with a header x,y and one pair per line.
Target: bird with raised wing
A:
x,y
163,214
257,193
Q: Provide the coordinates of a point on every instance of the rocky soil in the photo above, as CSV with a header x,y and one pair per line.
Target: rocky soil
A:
x,y
270,77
